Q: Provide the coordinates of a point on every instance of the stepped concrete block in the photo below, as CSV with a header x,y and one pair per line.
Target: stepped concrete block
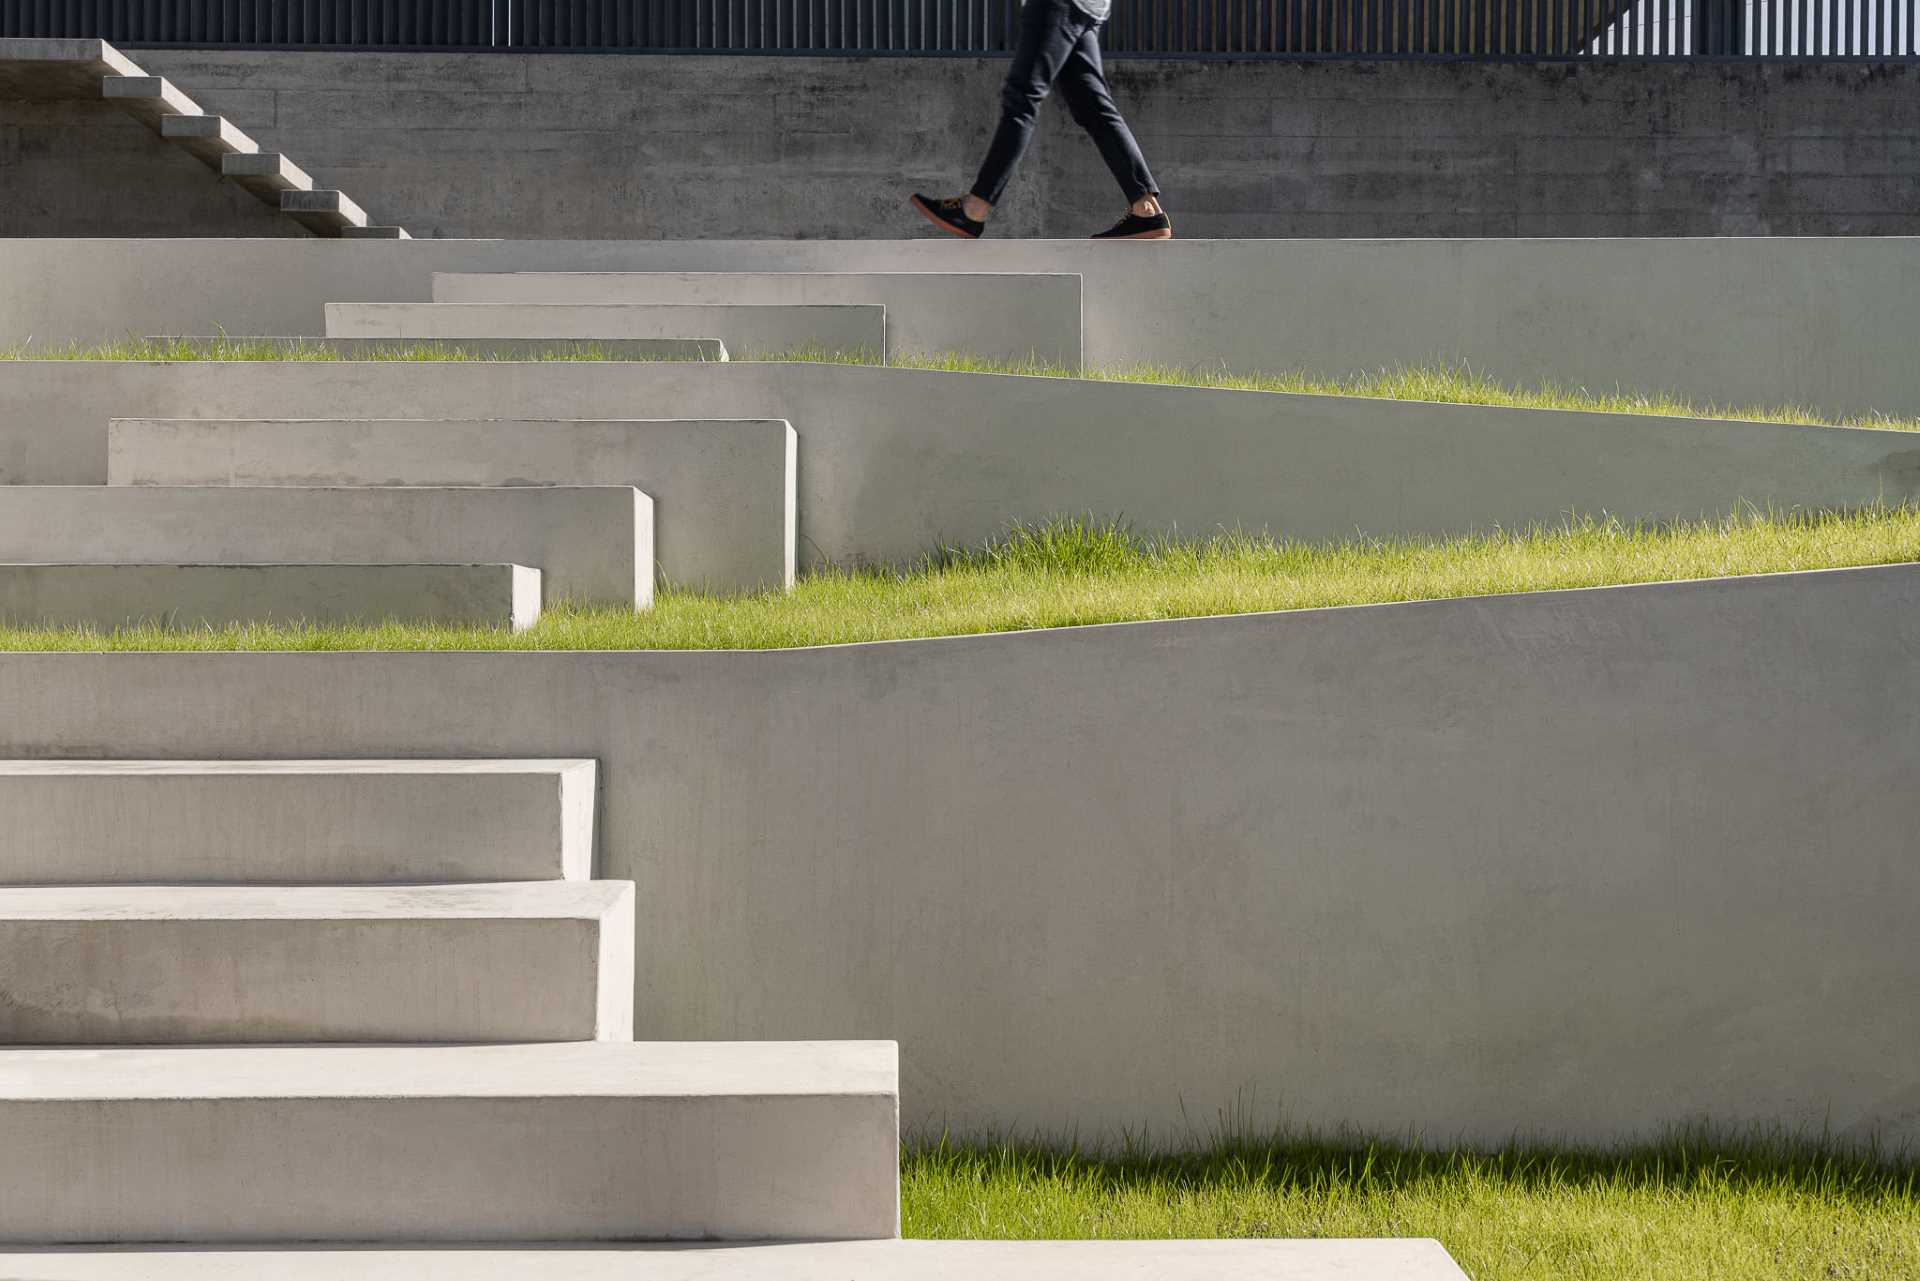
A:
x,y
148,99
109,596
375,233
993,315
581,1141
323,212
267,174
753,330
592,544
1398,1259
694,349
723,489
295,822
164,964
211,138
43,69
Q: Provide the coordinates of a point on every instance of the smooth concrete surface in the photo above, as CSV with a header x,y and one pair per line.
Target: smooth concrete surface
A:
x,y
208,138
1570,865
148,99
584,1141
591,543
293,822
1818,321
993,315
34,69
1236,1260
896,462
473,348
109,596
723,490
165,964
742,329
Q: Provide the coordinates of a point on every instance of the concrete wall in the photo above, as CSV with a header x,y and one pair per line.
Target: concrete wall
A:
x,y
618,146
1575,864
1820,322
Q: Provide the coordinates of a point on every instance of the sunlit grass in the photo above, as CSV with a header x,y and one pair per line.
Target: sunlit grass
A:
x,y
1067,572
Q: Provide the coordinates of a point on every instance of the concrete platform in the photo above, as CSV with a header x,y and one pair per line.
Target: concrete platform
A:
x,y
591,543
166,964
109,596
295,822
723,489
1412,1259
1009,316
584,1141
697,349
746,330
50,69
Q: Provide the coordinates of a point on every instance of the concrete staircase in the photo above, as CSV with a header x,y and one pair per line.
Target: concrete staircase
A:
x,y
74,68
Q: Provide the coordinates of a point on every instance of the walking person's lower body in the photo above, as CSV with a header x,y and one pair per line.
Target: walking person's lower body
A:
x,y
1059,46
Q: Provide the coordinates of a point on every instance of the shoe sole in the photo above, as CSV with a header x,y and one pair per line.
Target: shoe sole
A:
x,y
938,221
1164,233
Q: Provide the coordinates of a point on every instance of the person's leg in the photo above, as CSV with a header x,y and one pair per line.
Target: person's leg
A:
x,y
1083,83
1049,32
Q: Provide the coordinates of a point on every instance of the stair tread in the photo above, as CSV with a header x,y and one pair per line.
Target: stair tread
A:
x,y
508,900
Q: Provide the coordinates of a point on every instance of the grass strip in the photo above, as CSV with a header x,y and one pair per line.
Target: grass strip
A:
x,y
1068,572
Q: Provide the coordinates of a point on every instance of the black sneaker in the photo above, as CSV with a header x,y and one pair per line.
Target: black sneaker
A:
x,y
949,213
1134,227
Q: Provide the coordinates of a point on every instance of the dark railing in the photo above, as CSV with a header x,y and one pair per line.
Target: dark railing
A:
x,y
1880,29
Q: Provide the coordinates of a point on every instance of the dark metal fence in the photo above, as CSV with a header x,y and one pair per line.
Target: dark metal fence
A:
x,y
1879,29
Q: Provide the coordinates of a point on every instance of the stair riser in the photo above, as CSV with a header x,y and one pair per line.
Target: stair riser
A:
x,y
745,330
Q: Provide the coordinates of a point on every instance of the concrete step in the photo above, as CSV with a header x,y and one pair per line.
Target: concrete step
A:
x,y
994,315
749,330
581,1141
694,349
169,964
295,822
211,138
266,174
1407,1259
375,233
44,70
148,99
112,596
591,544
723,490
323,212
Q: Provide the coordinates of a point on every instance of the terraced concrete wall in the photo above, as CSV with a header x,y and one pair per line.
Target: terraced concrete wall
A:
x,y
620,146
1576,864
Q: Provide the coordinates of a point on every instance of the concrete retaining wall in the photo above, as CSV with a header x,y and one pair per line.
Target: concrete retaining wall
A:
x,y
1575,863
612,146
1820,322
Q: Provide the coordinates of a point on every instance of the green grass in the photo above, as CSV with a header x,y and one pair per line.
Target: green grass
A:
x,y
1069,572
1685,1209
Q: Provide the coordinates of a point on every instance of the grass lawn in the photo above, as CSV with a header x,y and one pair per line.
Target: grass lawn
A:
x,y
1676,1211
1074,572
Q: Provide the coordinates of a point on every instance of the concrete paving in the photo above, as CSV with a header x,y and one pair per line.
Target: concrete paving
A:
x,y
592,544
582,1141
723,489
109,596
1255,1260
745,330
1008,316
295,822
151,965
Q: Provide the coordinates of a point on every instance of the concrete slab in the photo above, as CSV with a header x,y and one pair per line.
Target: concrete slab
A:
x,y
323,212
110,596
746,330
698,349
995,315
375,233
148,99
294,822
1238,1260
723,489
266,174
43,69
154,965
582,1141
592,544
210,138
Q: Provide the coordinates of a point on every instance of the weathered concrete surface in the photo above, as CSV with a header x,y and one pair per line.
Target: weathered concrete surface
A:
x,y
883,479
590,543
742,330
585,1141
723,490
167,964
995,315
1239,1260
1572,865
293,822
108,596
1817,322
590,147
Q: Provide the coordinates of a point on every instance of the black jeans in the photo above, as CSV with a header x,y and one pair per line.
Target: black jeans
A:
x,y
1060,45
